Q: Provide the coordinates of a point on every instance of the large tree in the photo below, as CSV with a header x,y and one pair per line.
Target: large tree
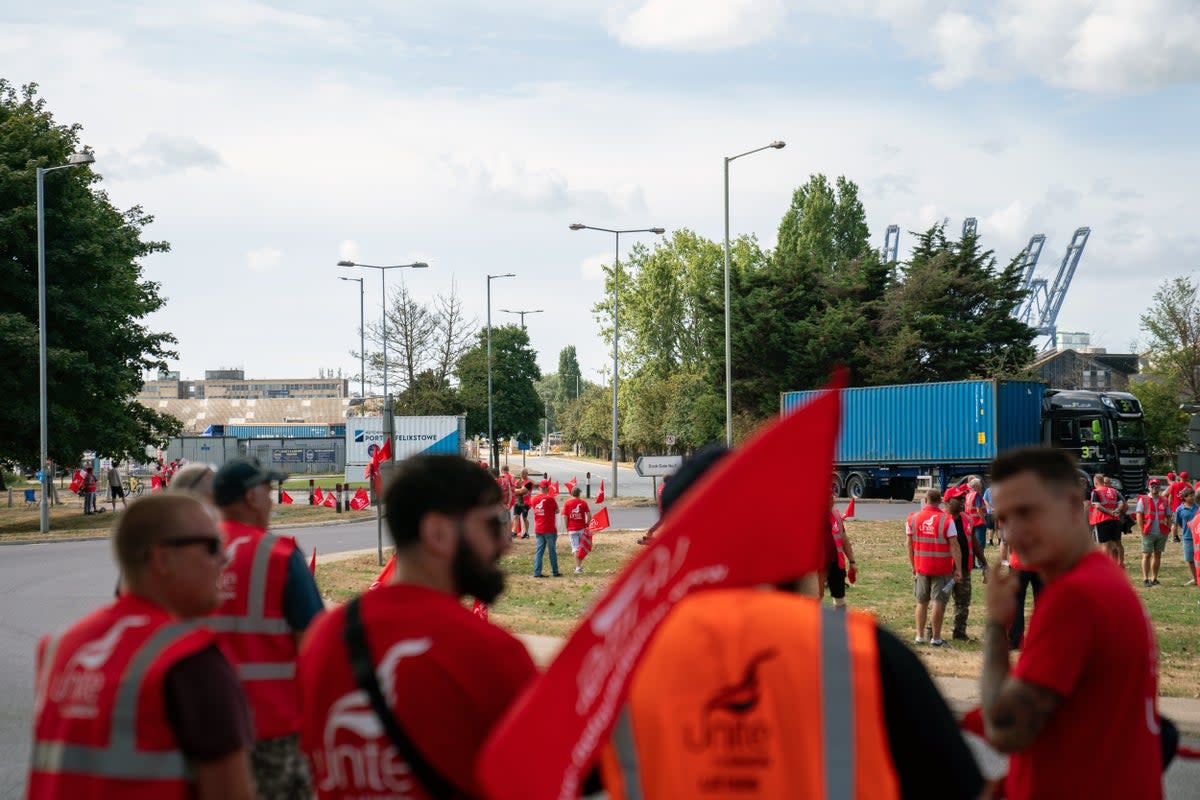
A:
x,y
97,299
516,406
1172,323
570,378
949,315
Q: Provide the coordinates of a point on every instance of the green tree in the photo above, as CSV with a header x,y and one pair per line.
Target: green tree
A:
x,y
570,378
428,395
97,345
1172,324
516,406
949,316
1166,425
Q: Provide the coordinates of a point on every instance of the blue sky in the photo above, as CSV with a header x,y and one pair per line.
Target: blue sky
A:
x,y
272,139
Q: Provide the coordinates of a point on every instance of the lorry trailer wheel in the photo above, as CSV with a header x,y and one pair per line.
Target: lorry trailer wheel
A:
x,y
856,486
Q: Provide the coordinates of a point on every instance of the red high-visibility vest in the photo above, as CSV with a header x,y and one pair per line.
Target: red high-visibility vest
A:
x,y
1156,518
100,725
839,537
929,529
251,623
971,511
1108,501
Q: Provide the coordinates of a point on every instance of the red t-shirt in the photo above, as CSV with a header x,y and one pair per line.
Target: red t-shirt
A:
x,y
544,508
575,510
507,495
1090,641
1173,494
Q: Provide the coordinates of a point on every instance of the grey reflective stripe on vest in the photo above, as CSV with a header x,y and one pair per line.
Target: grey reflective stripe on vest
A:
x,y
254,620
837,705
267,672
627,758
121,758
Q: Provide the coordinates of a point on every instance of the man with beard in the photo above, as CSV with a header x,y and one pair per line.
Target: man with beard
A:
x,y
400,687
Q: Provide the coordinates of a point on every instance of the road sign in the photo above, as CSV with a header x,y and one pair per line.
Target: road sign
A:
x,y
657,466
524,445
670,438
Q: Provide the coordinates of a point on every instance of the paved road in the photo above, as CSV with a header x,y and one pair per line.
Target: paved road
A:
x,y
48,586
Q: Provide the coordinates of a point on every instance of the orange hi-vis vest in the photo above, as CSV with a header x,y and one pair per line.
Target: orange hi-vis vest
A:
x,y
839,537
782,699
1156,518
930,532
100,727
1107,502
251,623
971,510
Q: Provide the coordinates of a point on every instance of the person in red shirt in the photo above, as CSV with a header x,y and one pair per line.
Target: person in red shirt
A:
x,y
1079,671
577,515
839,559
401,686
545,527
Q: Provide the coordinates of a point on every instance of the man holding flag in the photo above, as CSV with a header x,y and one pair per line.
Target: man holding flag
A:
x,y
577,515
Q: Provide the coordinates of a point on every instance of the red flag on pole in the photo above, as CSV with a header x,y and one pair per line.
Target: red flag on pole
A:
x,y
585,545
312,564
600,494
285,498
571,485
589,680
599,521
382,453
553,488
849,510
360,500
330,500
76,482
318,497
388,569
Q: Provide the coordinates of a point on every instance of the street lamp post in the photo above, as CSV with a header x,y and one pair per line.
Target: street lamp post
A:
x,y
493,454
521,314
776,145
362,338
578,226
74,160
383,320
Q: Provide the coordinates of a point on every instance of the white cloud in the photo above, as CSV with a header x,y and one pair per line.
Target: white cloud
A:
x,y
264,259
1011,222
698,25
961,43
160,155
592,267
349,250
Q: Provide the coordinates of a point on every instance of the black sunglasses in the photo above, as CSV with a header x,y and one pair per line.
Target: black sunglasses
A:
x,y
211,543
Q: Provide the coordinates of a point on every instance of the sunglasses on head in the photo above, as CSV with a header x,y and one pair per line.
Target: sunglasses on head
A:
x,y
211,543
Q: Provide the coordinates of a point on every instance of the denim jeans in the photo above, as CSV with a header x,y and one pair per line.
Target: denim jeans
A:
x,y
545,540
980,534
89,502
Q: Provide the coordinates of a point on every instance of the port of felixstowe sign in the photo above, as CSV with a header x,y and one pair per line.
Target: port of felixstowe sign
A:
x,y
412,436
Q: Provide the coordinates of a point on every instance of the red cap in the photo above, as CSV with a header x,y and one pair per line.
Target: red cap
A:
x,y
543,484
1154,482
1170,476
1183,476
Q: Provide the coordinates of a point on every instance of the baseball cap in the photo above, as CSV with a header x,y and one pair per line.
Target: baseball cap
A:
x,y
543,484
238,476
1183,476
1154,482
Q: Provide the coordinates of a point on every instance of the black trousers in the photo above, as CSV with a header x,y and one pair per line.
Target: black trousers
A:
x,y
1025,579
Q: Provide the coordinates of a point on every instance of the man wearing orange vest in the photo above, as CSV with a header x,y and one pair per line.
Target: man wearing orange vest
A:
x,y
1154,520
401,685
936,560
136,701
1105,516
780,698
839,559
268,600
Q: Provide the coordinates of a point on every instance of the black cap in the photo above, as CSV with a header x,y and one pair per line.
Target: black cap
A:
x,y
238,476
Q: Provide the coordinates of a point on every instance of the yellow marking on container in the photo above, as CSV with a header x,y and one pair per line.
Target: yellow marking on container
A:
x,y
982,437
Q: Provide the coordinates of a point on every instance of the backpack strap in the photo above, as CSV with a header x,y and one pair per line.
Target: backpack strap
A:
x,y
355,639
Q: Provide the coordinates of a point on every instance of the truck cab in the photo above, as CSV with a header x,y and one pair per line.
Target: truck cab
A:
x,y
1105,431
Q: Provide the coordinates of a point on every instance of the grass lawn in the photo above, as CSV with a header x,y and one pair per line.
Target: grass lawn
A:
x,y
553,606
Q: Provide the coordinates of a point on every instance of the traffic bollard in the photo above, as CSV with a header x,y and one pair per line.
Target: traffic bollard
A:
x,y
338,506
312,500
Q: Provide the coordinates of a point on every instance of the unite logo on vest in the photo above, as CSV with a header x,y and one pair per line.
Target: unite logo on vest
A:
x,y
77,688
728,729
356,755
229,581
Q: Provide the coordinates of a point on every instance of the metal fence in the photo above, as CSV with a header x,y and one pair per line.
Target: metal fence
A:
x,y
314,455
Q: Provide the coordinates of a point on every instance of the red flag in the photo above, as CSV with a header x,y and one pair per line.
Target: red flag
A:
x,y
849,510
360,500
382,453
553,489
76,482
318,497
369,470
312,563
480,610
330,500
600,495
285,498
388,569
155,483
585,544
588,681
599,521
571,485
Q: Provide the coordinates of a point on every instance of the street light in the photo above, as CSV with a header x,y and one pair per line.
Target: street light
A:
x,y
383,285
776,145
74,160
578,226
522,314
493,455
362,337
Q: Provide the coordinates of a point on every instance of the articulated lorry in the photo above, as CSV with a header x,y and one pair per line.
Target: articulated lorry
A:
x,y
892,435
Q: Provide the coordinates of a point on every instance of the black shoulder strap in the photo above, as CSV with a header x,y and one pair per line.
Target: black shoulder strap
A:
x,y
364,675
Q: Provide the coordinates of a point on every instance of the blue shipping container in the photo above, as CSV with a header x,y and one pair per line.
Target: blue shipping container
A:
x,y
934,423
285,431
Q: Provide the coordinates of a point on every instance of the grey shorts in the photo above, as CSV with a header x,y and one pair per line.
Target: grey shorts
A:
x,y
1154,543
928,587
576,540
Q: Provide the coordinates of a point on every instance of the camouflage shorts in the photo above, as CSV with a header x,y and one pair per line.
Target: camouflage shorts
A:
x,y
280,769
